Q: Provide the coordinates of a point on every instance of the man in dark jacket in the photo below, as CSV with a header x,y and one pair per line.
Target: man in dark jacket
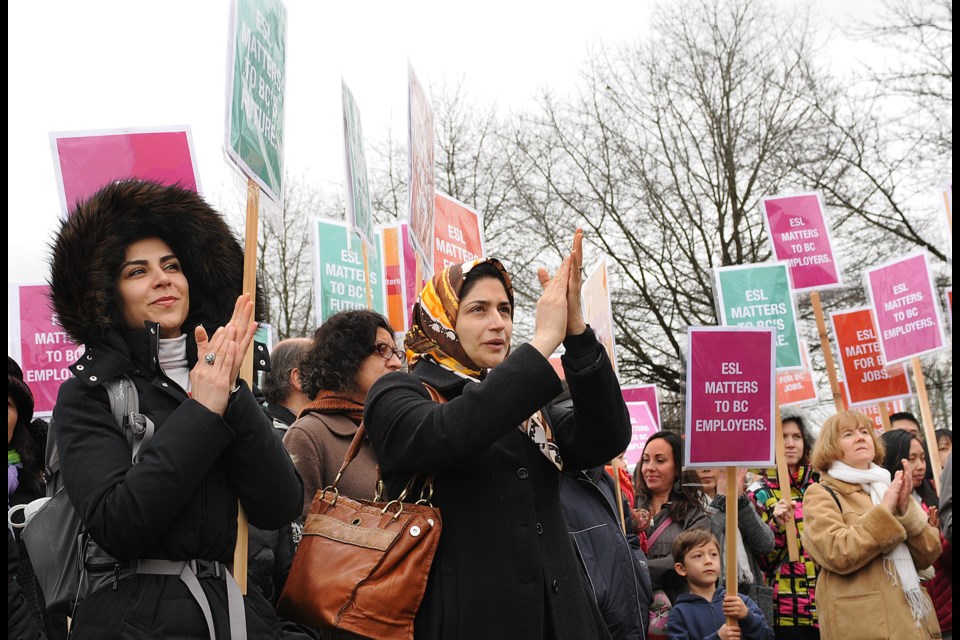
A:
x,y
271,551
616,566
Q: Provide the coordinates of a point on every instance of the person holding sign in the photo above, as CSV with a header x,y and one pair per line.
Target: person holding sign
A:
x,y
754,538
903,445
505,566
148,278
701,613
869,537
794,583
666,507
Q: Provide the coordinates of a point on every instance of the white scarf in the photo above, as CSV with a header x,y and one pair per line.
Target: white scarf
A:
x,y
875,482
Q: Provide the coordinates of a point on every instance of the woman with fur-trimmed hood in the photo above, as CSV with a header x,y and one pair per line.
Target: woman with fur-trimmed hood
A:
x,y
148,278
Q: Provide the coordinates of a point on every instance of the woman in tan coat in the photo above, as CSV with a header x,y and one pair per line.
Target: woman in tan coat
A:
x,y
869,537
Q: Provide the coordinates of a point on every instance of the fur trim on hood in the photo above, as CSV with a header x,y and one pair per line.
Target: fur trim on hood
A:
x,y
89,249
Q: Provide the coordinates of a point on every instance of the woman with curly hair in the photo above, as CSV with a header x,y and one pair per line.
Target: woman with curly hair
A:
x,y
350,351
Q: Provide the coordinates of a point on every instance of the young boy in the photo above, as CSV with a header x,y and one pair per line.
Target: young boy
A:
x,y
701,614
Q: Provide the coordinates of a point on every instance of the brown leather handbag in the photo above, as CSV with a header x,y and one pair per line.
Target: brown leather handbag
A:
x,y
362,565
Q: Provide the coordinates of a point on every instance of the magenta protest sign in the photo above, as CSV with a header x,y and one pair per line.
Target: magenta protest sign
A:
x,y
643,426
801,238
730,397
85,161
45,350
643,393
905,308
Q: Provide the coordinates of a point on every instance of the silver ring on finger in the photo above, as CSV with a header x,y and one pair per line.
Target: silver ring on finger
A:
x,y
210,358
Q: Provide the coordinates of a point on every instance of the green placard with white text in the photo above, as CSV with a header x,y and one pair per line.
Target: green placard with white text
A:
x,y
338,277
256,59
759,295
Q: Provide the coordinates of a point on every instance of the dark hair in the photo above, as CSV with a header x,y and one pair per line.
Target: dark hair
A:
x,y
284,358
944,433
339,347
682,500
690,539
897,442
480,272
794,415
904,415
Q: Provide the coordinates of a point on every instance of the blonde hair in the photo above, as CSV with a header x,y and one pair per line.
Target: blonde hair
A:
x,y
827,449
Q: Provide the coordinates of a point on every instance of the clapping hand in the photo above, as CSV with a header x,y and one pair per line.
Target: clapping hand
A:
x,y
219,357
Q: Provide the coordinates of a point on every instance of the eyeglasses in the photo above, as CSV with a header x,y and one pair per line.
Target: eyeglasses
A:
x,y
386,352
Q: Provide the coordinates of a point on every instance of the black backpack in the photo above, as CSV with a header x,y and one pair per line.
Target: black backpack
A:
x,y
68,564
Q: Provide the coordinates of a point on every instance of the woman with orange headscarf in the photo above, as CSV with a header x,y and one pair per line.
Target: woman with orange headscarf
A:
x,y
505,566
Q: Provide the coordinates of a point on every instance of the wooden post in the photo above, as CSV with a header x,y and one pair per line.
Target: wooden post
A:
x,y
827,353
616,484
926,416
366,274
731,537
786,493
884,415
246,369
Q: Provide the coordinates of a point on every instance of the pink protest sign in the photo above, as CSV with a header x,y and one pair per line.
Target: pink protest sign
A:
x,y
643,393
45,350
868,377
905,308
457,234
730,396
412,285
86,161
801,238
643,426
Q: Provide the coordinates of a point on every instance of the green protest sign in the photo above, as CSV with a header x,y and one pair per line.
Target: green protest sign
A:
x,y
759,296
339,276
359,213
256,60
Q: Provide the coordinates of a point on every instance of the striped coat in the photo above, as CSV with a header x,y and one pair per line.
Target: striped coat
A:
x,y
794,583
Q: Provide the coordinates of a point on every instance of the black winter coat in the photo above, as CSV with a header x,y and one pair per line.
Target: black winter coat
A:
x,y
614,562
505,566
179,502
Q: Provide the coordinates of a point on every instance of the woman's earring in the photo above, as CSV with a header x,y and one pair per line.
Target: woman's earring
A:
x,y
678,486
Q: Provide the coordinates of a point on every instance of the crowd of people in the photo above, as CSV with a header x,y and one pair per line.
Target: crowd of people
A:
x,y
540,539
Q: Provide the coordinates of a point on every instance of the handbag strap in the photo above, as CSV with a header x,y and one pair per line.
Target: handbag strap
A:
x,y
660,529
354,449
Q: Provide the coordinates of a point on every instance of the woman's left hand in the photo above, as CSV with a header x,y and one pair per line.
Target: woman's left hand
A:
x,y
575,323
242,321
906,490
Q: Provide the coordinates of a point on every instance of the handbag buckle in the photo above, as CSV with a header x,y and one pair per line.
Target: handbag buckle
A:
x,y
387,506
333,488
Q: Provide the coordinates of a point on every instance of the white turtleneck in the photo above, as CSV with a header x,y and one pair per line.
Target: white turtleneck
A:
x,y
173,360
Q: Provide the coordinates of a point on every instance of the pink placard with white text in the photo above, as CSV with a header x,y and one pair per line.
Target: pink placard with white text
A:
x,y
45,350
643,426
86,161
730,397
801,238
905,308
643,393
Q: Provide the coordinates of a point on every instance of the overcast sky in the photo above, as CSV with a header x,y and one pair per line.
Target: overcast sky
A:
x,y
100,64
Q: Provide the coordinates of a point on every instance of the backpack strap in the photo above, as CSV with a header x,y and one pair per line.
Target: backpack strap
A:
x,y
125,405
833,494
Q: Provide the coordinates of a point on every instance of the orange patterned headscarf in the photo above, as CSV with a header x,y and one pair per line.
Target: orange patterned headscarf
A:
x,y
432,335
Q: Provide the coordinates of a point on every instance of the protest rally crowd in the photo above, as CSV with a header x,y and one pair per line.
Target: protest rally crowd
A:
x,y
519,519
